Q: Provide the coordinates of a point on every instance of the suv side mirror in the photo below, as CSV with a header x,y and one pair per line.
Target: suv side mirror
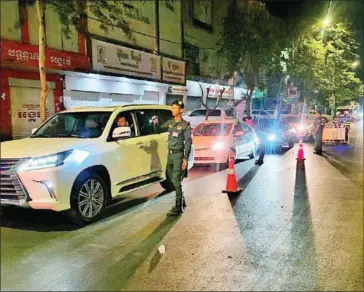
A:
x,y
34,130
121,132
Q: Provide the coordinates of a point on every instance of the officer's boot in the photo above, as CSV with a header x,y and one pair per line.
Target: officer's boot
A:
x,y
259,161
184,205
177,209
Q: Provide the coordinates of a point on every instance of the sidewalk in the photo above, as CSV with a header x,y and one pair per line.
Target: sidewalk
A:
x,y
283,233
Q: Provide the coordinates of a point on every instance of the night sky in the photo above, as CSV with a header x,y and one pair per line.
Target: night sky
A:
x,y
285,9
293,9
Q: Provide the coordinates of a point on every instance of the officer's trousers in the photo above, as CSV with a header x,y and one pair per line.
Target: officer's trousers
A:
x,y
318,142
174,173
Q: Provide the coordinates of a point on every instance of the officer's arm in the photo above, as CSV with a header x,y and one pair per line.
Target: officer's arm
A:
x,y
159,128
188,141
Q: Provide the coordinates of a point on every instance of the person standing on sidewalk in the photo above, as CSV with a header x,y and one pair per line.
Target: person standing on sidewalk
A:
x,y
317,132
179,149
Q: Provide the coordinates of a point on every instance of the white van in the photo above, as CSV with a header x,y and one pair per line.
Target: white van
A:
x,y
79,160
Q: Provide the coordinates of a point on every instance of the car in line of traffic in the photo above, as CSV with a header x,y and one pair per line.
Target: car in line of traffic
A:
x,y
277,134
198,116
213,140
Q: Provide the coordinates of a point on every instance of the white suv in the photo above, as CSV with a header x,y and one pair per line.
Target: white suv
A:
x,y
79,160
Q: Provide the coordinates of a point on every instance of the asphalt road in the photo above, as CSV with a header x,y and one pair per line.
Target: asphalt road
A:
x,y
293,227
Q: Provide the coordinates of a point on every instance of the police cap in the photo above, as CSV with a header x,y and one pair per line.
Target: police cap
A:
x,y
179,103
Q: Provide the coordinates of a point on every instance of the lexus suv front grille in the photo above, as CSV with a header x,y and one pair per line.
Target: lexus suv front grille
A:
x,y
10,186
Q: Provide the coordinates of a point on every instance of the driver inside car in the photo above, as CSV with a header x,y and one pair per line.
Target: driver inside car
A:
x,y
122,122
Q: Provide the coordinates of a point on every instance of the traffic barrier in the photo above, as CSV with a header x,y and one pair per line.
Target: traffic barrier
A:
x,y
333,135
300,153
231,183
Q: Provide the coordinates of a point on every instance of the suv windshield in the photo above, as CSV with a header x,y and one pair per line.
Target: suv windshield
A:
x,y
216,129
76,124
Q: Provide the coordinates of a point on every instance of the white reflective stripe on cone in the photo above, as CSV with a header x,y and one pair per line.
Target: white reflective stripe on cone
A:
x,y
231,171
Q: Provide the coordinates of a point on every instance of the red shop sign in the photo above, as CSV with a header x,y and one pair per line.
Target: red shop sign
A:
x,y
16,53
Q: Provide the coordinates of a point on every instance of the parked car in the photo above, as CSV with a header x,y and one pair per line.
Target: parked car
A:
x,y
80,160
197,116
213,140
277,133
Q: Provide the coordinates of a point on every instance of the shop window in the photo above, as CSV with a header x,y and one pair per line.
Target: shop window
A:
x,y
9,20
192,57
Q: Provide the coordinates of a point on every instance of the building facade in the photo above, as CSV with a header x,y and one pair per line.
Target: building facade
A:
x,y
203,28
141,68
171,51
20,85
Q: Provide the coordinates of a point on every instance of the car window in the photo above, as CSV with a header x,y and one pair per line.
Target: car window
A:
x,y
198,113
124,119
145,124
74,124
214,113
229,112
215,129
163,117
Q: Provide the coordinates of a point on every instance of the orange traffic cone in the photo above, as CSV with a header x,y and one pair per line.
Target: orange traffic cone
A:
x,y
300,153
231,183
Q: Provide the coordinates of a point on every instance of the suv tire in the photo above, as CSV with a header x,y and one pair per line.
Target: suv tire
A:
x,y
88,199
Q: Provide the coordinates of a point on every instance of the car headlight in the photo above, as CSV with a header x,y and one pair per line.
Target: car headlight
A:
x,y
271,137
218,146
48,161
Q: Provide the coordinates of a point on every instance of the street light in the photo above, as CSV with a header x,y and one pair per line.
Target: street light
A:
x,y
326,21
355,64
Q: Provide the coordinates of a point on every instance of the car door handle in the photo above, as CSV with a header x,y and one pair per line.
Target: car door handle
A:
x,y
141,145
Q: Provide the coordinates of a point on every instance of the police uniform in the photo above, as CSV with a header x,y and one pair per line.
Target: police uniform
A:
x,y
179,148
319,125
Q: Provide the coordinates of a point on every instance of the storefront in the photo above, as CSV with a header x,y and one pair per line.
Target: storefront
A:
x,y
194,94
20,85
122,75
177,93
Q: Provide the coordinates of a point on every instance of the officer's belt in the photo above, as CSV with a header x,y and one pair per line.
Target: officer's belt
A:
x,y
173,151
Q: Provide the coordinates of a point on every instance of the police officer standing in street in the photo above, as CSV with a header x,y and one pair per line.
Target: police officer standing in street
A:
x,y
179,149
318,128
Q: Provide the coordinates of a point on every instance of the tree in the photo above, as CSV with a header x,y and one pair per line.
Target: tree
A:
x,y
73,13
205,103
251,43
323,59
